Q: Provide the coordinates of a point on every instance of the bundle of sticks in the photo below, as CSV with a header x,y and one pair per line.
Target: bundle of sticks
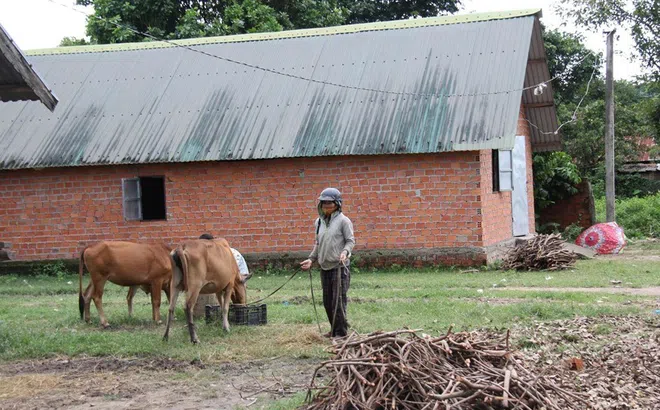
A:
x,y
543,252
403,370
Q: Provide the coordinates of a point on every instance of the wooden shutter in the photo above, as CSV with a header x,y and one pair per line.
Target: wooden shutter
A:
x,y
132,199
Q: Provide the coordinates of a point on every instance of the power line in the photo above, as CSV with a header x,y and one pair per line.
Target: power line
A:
x,y
537,87
574,116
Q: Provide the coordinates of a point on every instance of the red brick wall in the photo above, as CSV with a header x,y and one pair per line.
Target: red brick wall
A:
x,y
395,202
577,209
496,207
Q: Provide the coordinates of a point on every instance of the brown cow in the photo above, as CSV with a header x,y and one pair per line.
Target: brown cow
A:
x,y
124,264
204,266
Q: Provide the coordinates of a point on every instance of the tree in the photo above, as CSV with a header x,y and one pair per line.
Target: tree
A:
x,y
637,114
119,21
297,14
583,139
364,11
584,130
200,18
569,57
73,41
641,16
555,177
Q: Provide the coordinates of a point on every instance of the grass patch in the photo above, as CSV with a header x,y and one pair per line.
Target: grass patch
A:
x,y
602,329
40,315
650,246
292,402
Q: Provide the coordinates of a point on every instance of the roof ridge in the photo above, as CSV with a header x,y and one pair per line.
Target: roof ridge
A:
x,y
280,35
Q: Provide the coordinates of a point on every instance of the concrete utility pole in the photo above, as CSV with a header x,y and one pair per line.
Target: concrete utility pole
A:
x,y
609,130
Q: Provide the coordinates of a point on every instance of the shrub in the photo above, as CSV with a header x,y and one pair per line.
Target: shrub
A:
x,y
555,177
627,186
56,269
639,217
569,234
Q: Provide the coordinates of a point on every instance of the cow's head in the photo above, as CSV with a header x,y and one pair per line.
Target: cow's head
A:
x,y
239,295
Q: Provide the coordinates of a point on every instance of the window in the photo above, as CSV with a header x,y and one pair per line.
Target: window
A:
x,y
502,170
144,198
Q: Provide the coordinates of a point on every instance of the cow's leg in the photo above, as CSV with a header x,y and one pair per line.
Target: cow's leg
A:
x,y
156,288
191,299
97,296
87,299
174,293
129,299
226,298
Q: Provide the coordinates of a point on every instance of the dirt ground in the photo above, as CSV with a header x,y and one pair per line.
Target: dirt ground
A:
x,y
109,383
621,371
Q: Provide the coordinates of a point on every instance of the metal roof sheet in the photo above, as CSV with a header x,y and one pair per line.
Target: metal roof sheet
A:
x,y
18,80
448,87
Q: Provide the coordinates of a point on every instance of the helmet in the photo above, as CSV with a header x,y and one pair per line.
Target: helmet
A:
x,y
331,194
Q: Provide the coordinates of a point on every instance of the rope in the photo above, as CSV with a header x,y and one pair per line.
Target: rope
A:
x,y
273,292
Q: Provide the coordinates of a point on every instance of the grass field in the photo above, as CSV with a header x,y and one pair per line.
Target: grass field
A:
x,y
39,316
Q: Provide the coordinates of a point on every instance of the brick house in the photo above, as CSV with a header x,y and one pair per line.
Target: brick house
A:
x,y
18,80
648,164
422,124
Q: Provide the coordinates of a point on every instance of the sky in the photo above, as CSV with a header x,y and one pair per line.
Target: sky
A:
x,y
41,24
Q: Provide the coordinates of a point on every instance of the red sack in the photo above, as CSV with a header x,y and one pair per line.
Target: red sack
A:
x,y
605,238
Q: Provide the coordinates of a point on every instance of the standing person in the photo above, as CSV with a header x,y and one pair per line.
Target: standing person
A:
x,y
332,250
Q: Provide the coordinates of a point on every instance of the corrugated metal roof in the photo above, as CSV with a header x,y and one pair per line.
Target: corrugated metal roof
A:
x,y
129,104
18,81
540,109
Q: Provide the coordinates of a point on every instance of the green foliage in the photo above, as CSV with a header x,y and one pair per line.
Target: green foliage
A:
x,y
73,41
584,138
187,19
295,14
626,185
555,177
568,56
650,107
639,217
293,402
640,16
56,269
571,232
250,16
364,11
637,111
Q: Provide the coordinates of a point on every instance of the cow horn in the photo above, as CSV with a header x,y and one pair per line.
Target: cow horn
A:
x,y
245,278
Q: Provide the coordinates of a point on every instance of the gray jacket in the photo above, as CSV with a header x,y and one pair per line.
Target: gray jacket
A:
x,y
332,239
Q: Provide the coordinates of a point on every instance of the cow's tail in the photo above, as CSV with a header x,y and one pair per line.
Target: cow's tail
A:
x,y
81,266
182,263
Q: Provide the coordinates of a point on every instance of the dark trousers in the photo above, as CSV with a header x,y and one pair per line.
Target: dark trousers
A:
x,y
330,298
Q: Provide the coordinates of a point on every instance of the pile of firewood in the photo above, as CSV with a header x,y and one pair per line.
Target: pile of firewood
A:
x,y
543,252
404,370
